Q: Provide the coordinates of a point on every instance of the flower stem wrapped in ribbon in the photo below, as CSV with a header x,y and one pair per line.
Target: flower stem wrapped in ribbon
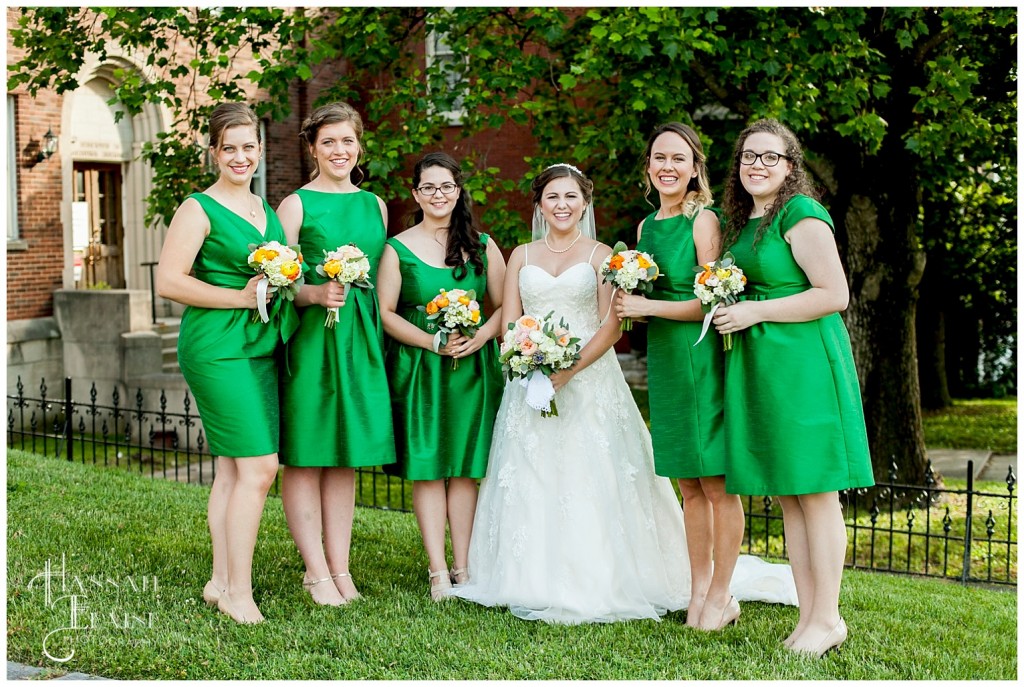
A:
x,y
452,311
534,349
629,271
718,283
281,267
347,265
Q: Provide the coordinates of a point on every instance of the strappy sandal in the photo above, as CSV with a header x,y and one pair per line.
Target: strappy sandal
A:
x,y
348,575
439,590
456,573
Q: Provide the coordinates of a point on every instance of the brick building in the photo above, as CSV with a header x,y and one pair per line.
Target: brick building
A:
x,y
75,218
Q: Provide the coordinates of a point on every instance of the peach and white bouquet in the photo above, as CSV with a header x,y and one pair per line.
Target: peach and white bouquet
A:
x,y
718,283
450,311
629,271
532,346
281,267
347,265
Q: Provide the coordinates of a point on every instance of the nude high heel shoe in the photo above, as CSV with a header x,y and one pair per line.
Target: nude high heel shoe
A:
x,y
832,641
439,590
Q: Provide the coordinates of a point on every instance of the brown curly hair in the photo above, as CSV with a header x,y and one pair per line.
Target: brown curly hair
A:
x,y
738,204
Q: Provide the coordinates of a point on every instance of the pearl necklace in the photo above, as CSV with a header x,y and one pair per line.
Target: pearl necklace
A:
x,y
567,248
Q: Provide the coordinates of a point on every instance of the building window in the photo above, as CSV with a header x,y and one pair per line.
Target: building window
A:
x,y
12,171
441,54
259,177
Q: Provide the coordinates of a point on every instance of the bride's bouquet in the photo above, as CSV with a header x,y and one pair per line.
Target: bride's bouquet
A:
x,y
718,283
348,266
452,311
531,346
281,267
629,271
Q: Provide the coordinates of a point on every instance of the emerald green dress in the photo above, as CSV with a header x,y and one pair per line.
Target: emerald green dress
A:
x,y
443,417
794,423
227,359
336,410
684,382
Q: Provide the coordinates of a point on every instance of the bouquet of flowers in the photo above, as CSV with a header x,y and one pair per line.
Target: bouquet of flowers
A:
x,y
452,311
348,266
531,346
629,270
718,283
281,267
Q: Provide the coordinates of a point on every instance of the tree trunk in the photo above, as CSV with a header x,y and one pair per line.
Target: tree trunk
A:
x,y
931,343
884,272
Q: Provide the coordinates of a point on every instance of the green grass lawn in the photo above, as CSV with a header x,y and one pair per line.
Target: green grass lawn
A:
x,y
986,423
111,526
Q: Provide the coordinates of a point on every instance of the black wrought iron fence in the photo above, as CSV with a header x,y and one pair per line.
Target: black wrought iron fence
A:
x,y
934,529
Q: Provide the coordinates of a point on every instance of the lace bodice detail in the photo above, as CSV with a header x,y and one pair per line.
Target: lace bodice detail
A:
x,y
572,295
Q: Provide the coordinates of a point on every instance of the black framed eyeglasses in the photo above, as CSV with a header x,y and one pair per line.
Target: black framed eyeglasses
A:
x,y
430,190
768,159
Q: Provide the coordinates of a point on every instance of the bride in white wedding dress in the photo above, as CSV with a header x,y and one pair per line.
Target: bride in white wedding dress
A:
x,y
572,525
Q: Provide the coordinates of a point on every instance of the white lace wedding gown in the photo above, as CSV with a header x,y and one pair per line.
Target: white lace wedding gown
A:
x,y
572,525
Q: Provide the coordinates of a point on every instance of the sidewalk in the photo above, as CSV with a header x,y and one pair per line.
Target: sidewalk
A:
x,y
20,671
950,462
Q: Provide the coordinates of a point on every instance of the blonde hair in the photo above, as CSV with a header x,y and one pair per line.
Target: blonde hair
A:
x,y
698,189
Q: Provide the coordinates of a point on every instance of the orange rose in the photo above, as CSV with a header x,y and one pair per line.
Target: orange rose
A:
x,y
432,308
616,262
442,302
291,270
703,276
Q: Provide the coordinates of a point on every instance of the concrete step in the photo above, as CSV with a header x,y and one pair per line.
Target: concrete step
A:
x,y
168,329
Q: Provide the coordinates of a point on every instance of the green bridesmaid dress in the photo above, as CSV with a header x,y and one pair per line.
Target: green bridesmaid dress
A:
x,y
336,409
443,417
227,359
684,382
794,422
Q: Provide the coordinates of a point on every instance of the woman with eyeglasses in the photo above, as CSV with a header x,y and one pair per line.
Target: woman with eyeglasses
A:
x,y
444,395
794,423
336,407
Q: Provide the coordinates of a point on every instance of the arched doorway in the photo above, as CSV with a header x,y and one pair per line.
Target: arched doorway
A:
x,y
100,147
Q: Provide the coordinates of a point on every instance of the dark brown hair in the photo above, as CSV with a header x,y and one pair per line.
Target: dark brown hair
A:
x,y
558,171
463,236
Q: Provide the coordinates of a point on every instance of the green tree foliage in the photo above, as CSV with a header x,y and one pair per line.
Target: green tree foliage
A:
x,y
907,114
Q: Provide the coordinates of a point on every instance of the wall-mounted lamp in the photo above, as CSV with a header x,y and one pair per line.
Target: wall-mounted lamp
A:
x,y
49,146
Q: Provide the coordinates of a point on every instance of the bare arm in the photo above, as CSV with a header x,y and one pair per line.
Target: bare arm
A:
x,y
603,339
189,228
511,301
707,237
389,287
814,249
495,285
329,294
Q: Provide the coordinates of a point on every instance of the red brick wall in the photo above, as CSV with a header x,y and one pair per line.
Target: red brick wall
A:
x,y
34,273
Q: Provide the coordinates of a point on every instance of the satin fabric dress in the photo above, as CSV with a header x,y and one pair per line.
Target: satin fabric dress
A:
x,y
227,359
685,382
794,422
443,417
335,402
